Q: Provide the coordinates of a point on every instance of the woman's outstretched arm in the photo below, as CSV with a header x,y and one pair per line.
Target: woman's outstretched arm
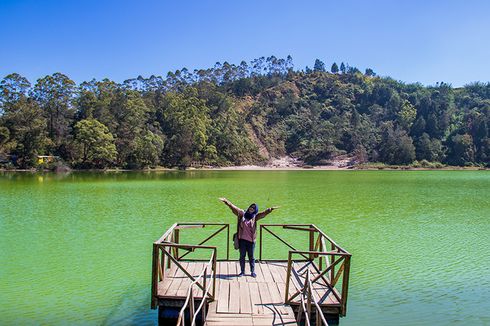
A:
x,y
233,208
264,213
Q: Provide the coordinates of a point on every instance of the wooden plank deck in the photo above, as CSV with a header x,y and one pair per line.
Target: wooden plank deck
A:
x,y
246,300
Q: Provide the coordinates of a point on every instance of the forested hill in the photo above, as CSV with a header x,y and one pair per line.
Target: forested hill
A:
x,y
242,114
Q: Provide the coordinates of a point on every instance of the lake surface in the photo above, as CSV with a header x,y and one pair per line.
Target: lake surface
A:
x,y
76,248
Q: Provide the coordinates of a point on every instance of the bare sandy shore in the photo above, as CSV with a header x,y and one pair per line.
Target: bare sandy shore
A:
x,y
288,163
275,168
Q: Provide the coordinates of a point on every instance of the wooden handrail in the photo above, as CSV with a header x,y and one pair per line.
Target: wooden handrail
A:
x,y
320,275
311,228
168,245
203,303
277,237
305,307
205,240
184,246
167,233
318,308
324,253
190,296
328,238
343,258
188,225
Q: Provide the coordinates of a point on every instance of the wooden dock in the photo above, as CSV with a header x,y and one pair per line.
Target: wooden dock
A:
x,y
301,288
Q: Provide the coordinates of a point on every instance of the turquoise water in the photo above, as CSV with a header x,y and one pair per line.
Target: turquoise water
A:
x,y
76,248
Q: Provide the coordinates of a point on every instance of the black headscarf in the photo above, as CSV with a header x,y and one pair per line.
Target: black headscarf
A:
x,y
248,215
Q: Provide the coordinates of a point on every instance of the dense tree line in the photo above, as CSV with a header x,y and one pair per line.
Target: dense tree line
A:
x,y
241,114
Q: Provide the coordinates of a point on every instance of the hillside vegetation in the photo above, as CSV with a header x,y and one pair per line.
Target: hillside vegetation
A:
x,y
243,114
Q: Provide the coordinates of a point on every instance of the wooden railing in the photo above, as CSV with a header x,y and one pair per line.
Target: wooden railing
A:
x,y
189,301
330,262
168,251
323,263
306,294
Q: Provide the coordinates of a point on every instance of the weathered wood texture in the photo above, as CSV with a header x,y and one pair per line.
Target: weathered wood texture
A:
x,y
234,293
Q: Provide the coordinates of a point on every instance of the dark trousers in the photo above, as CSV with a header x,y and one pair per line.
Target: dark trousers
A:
x,y
247,247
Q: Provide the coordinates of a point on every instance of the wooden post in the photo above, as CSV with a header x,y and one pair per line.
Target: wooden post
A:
x,y
171,240
203,299
307,285
214,274
176,240
321,257
168,260
317,243
228,243
154,277
332,271
160,269
260,245
345,284
288,279
312,244
191,303
162,261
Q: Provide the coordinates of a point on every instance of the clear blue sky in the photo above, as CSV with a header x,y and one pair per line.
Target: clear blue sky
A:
x,y
425,41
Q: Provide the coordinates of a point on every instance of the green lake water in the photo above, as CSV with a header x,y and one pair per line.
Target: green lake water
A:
x,y
76,249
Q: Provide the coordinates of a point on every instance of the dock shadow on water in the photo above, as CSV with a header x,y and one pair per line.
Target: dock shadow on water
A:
x,y
132,309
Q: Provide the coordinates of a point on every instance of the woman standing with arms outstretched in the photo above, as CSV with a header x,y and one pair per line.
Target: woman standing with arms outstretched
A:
x,y
247,231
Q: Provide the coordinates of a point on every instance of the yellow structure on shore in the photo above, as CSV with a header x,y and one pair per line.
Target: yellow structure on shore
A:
x,y
44,159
